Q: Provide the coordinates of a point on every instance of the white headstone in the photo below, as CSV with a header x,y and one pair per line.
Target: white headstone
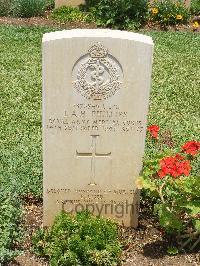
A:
x,y
96,87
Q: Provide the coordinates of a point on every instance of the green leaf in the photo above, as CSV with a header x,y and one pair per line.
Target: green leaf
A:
x,y
172,250
148,184
78,240
193,207
197,225
169,219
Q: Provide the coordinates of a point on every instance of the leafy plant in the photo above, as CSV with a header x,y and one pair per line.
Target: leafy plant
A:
x,y
71,14
90,3
50,4
5,7
168,12
28,8
79,240
10,214
172,251
170,178
195,7
118,13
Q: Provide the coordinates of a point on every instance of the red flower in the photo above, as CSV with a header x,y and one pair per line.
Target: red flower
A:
x,y
191,147
174,166
154,129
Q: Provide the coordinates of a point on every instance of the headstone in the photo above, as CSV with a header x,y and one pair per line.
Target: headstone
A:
x,y
96,87
59,3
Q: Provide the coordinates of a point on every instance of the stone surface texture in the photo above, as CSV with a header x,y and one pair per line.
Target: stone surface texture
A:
x,y
59,3
96,86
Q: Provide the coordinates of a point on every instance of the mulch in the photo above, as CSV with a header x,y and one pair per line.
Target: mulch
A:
x,y
145,245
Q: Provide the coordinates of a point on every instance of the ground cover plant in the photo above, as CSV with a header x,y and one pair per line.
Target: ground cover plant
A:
x,y
71,14
10,217
195,7
79,240
21,108
4,7
169,12
174,103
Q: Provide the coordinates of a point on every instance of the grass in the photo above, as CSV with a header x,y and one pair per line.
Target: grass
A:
x,y
20,69
176,81
174,101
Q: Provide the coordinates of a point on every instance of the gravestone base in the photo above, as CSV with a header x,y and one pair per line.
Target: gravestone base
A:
x,y
119,205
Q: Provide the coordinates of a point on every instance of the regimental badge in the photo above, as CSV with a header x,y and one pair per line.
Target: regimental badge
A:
x,y
97,75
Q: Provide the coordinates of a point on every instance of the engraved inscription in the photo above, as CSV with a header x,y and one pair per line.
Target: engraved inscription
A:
x,y
90,191
93,155
95,117
97,75
117,202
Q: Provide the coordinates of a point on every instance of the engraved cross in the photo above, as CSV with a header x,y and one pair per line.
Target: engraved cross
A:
x,y
93,155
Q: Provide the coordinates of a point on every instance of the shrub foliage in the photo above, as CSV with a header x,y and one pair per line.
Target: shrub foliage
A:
x,y
171,178
168,12
71,14
118,13
79,240
28,8
24,8
195,7
5,7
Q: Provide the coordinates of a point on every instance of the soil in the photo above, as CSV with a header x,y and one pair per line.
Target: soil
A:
x,y
181,28
44,21
47,21
145,245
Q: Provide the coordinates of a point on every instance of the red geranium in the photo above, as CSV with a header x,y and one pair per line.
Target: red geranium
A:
x,y
154,129
191,147
174,166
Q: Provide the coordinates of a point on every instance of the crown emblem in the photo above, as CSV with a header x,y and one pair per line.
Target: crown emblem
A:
x,y
98,51
97,75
